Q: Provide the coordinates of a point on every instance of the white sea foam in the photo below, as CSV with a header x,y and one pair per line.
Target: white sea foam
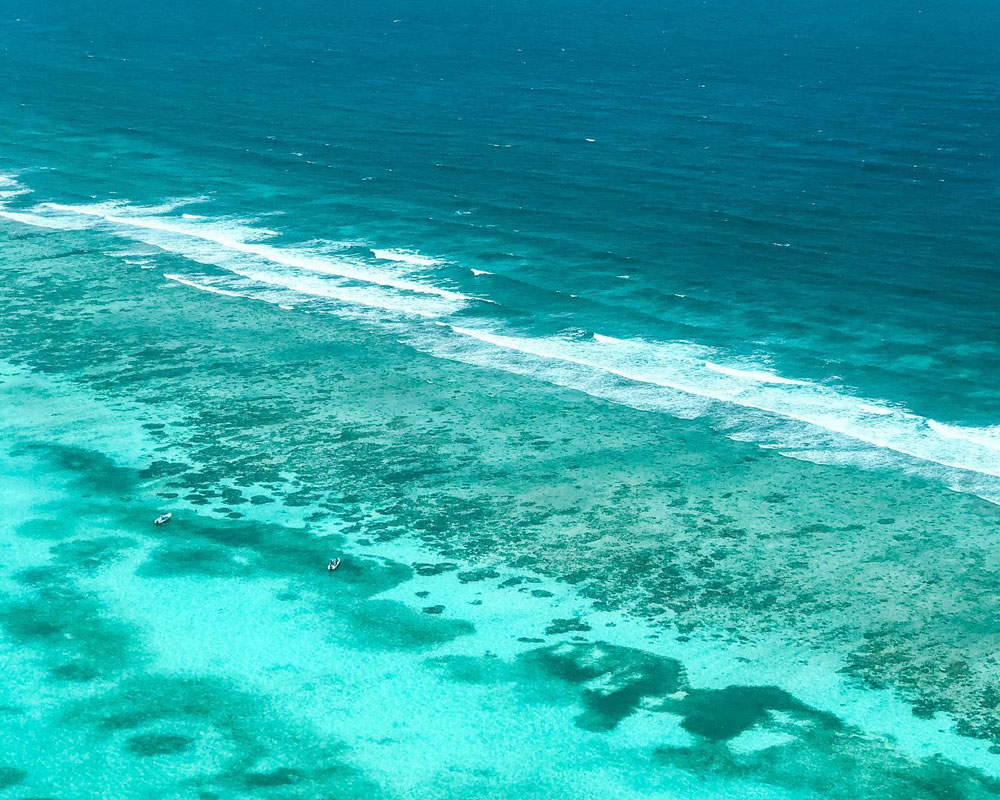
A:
x,y
752,375
236,241
405,257
988,438
40,221
799,418
128,253
124,208
368,297
870,409
10,188
203,286
288,291
239,248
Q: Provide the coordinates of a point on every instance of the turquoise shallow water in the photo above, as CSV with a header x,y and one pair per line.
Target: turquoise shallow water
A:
x,y
640,363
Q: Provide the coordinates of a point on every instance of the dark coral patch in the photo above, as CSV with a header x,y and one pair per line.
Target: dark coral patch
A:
x,y
76,672
68,622
169,562
46,528
722,714
476,575
11,776
558,626
627,676
434,569
388,624
283,776
91,470
158,744
91,554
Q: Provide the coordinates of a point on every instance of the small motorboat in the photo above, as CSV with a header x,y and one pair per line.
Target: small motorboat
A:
x,y
334,563
163,519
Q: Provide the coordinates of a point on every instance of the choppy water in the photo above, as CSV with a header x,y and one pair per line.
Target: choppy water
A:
x,y
641,363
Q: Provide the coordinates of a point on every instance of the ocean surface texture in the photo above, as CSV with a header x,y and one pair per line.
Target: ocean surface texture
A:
x,y
641,361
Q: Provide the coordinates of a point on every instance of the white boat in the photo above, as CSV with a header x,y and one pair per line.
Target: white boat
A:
x,y
162,519
334,563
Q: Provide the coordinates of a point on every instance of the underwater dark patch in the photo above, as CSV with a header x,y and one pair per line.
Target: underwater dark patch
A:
x,y
46,528
627,677
171,562
284,776
75,672
434,569
722,714
558,626
90,554
392,625
92,470
157,744
473,669
11,776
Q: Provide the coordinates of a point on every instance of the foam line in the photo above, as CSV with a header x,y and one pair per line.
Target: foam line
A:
x,y
201,286
38,221
988,438
753,375
287,257
405,257
679,368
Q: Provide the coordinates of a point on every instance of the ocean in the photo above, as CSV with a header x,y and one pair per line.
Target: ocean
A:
x,y
640,361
